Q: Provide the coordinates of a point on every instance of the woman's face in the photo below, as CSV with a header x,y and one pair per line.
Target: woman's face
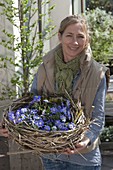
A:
x,y
73,41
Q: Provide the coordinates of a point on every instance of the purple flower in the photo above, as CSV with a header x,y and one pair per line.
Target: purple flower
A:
x,y
61,126
11,117
18,113
20,116
36,98
19,120
65,128
39,123
23,110
36,117
47,128
33,111
59,108
53,109
71,126
54,128
63,118
57,122
23,116
64,110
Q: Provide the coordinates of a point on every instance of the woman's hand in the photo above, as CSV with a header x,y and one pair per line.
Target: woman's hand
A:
x,y
3,131
79,146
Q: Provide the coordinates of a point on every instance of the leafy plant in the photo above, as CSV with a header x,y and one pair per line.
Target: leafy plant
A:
x,y
27,44
107,134
101,29
102,4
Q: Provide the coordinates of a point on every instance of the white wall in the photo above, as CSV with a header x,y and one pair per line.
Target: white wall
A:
x,y
78,4
62,9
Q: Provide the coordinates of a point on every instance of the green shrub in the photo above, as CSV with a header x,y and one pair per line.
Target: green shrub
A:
x,y
101,28
107,134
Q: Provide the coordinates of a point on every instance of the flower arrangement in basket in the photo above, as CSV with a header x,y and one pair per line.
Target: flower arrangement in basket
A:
x,y
46,124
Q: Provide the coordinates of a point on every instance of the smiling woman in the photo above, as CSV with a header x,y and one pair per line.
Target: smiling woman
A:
x,y
68,70
70,67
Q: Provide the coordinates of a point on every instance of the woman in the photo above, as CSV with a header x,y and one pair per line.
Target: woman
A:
x,y
70,66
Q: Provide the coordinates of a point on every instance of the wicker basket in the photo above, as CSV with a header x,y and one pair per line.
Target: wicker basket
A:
x,y
42,141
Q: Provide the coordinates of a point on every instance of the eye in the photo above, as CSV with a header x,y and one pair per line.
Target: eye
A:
x,y
81,36
68,35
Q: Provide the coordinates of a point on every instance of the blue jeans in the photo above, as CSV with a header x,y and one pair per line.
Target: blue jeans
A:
x,y
60,165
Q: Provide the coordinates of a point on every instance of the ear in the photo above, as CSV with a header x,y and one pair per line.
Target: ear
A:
x,y
59,37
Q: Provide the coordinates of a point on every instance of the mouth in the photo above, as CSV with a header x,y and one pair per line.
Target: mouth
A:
x,y
74,48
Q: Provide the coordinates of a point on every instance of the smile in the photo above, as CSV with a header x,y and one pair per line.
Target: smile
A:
x,y
74,48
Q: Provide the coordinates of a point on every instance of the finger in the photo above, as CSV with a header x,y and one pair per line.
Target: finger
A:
x,y
69,151
66,151
4,132
5,135
81,144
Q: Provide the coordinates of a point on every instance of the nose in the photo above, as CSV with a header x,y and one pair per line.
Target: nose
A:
x,y
75,40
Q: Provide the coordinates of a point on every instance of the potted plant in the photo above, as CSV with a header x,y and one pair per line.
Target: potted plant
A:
x,y
106,139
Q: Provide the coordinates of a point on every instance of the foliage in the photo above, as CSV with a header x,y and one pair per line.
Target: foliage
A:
x,y
102,4
107,134
109,97
28,43
101,29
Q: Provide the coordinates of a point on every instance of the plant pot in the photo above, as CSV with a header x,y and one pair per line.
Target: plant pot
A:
x,y
106,148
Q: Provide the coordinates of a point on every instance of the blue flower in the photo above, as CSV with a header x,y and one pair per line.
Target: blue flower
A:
x,y
71,126
11,117
23,116
54,128
53,109
63,118
33,111
59,108
19,120
39,123
64,110
18,113
47,128
48,122
23,110
36,98
36,117
62,126
57,122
